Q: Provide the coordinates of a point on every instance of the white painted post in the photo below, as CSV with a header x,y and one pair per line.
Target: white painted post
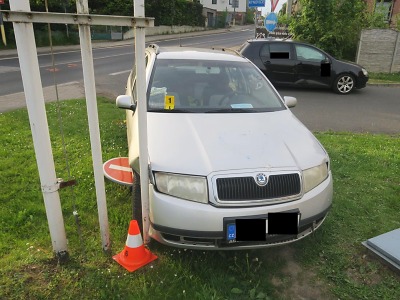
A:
x,y
140,51
91,106
32,83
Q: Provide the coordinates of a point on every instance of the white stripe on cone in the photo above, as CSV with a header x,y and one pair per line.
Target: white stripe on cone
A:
x,y
134,241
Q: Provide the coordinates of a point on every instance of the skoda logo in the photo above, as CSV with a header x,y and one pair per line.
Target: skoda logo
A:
x,y
261,179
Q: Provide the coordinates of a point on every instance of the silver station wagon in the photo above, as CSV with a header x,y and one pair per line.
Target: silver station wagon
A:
x,y
230,166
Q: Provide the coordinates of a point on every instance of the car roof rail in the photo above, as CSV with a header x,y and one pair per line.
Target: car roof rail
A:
x,y
155,47
227,50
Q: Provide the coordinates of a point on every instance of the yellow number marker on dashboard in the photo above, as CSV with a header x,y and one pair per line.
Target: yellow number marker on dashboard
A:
x,y
169,102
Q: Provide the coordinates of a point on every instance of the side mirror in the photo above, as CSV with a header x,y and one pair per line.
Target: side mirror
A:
x,y
325,61
290,101
125,102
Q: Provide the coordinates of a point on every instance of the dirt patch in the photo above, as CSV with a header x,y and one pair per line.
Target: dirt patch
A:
x,y
365,270
298,283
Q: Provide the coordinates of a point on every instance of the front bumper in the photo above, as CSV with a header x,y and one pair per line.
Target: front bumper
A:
x,y
192,225
361,82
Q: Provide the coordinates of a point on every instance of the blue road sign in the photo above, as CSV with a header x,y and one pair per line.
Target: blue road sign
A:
x,y
270,21
256,3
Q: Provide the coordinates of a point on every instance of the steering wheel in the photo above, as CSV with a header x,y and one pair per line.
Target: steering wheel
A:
x,y
225,99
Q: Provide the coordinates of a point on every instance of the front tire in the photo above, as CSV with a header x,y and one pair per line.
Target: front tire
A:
x,y
344,84
137,200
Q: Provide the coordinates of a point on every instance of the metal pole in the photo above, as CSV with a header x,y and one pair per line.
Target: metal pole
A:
x,y
65,11
32,83
2,31
289,9
394,56
142,117
91,106
234,12
257,14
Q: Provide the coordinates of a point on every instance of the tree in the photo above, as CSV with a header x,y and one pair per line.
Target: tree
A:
x,y
250,13
282,11
115,7
175,12
332,25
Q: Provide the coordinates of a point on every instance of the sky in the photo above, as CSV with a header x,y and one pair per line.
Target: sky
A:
x,y
265,10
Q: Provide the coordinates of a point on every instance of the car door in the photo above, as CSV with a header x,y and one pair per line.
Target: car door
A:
x,y
313,67
279,63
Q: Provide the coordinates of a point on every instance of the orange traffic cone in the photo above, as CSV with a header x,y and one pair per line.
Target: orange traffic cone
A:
x,y
135,255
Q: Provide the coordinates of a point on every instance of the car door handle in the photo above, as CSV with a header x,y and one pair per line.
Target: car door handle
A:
x,y
267,62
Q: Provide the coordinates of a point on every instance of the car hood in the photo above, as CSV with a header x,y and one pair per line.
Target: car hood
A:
x,y
199,144
349,64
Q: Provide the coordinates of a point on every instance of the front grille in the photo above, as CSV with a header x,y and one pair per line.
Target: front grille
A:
x,y
245,188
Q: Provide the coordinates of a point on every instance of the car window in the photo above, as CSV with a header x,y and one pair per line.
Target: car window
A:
x,y
279,51
195,86
308,54
264,52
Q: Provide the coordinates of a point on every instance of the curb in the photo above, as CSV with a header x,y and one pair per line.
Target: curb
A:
x,y
384,84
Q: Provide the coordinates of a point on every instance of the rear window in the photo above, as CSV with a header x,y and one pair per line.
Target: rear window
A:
x,y
279,51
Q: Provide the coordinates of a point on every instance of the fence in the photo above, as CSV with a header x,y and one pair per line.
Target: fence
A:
x,y
23,19
379,50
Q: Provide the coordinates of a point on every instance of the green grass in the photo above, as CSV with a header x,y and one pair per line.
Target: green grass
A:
x,y
330,264
384,77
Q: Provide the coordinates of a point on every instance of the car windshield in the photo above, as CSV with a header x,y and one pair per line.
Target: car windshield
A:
x,y
193,86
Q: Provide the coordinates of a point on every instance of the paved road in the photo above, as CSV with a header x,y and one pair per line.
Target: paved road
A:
x,y
110,59
375,109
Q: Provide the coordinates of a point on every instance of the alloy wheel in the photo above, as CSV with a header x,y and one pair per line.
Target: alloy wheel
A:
x,y
345,84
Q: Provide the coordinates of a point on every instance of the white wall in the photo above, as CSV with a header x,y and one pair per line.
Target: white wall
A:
x,y
223,5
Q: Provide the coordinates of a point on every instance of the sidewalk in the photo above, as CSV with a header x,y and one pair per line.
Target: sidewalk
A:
x,y
76,90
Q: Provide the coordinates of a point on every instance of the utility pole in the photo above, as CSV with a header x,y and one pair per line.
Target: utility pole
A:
x,y
235,4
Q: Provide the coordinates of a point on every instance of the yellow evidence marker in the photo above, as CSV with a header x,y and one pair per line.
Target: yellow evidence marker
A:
x,y
169,102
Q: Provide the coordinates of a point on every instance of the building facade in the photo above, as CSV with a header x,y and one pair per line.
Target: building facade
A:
x,y
390,9
232,10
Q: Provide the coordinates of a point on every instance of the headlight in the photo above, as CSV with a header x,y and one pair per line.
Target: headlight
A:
x,y
192,188
314,176
364,72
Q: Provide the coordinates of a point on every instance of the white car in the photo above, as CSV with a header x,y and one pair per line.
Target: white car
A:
x,y
231,167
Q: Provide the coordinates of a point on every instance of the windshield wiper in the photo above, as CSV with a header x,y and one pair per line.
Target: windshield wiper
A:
x,y
176,110
231,110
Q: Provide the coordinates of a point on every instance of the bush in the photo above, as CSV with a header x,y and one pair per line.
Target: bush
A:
x,y
57,37
334,25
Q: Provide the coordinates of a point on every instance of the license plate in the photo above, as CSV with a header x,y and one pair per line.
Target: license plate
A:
x,y
283,223
256,229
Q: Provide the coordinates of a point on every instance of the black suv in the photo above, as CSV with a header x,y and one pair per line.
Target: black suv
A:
x,y
286,62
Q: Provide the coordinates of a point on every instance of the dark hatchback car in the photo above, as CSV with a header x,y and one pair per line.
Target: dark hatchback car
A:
x,y
287,62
